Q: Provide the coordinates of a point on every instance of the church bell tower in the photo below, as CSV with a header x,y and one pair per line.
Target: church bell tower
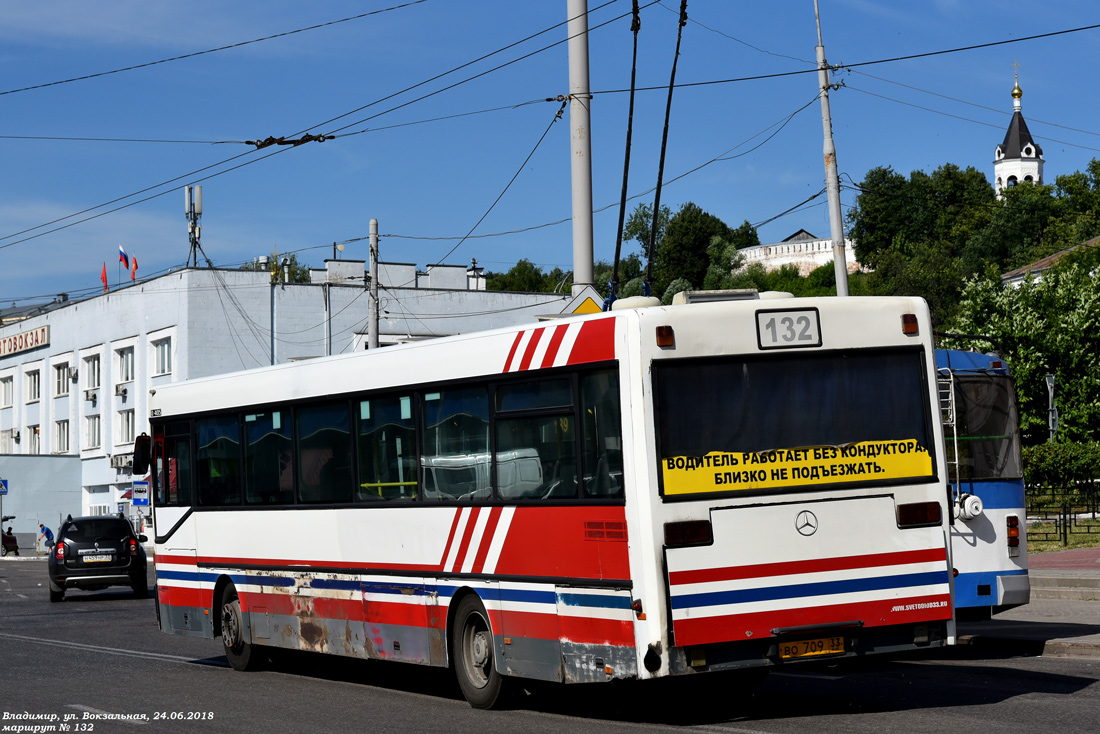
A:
x,y
1018,158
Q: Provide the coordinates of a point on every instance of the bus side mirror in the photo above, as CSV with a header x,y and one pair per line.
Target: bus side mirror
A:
x,y
142,447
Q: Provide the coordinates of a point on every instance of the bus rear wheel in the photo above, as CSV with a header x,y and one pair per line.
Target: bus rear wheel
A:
x,y
242,655
473,649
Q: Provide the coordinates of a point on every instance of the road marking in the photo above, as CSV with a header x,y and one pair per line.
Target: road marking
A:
x,y
117,651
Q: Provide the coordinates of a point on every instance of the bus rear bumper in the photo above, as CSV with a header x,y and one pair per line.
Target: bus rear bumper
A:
x,y
779,652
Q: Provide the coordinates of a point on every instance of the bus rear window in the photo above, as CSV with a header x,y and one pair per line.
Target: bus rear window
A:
x,y
780,422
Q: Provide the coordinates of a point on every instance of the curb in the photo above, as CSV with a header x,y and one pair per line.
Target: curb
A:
x,y
1033,648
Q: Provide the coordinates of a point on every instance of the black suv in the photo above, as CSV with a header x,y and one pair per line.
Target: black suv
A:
x,y
96,552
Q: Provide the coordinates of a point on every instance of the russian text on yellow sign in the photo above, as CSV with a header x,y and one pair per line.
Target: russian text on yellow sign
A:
x,y
726,471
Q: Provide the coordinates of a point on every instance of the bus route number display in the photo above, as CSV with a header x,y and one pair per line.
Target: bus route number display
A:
x,y
788,329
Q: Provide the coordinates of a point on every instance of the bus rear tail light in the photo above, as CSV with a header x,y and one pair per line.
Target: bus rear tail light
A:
x,y
1013,534
919,514
909,324
688,532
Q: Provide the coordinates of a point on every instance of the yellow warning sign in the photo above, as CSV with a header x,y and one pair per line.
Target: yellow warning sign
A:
x,y
588,306
730,471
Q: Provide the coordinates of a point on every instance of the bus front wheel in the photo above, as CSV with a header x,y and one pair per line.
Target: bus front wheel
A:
x,y
242,655
472,645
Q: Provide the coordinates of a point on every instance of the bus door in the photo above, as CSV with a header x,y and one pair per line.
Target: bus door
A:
x,y
181,604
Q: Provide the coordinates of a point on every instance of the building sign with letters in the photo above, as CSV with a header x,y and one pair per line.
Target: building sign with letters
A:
x,y
25,341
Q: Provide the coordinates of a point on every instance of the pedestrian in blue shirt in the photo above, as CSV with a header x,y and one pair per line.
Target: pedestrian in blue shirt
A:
x,y
47,534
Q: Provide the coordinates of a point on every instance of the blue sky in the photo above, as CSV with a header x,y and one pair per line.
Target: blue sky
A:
x,y
430,170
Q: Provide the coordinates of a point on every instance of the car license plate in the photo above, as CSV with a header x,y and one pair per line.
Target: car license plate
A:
x,y
97,559
809,648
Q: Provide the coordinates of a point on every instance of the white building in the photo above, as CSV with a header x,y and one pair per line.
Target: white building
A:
x,y
75,376
802,249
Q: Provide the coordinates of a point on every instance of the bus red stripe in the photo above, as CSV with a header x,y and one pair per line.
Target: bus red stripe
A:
x,y
814,565
757,625
512,351
595,343
486,540
532,345
450,539
464,545
557,334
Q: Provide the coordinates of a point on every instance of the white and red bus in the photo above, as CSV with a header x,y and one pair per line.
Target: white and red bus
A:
x,y
649,492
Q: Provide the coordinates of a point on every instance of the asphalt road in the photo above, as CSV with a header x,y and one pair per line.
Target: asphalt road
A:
x,y
100,653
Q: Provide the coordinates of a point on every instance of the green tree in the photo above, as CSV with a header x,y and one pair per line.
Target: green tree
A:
x,y
1016,233
299,272
639,225
1047,326
523,277
685,247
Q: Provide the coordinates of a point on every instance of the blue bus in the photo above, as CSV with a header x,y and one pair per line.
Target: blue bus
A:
x,y
985,470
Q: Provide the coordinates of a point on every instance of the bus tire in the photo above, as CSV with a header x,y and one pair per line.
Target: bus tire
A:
x,y
474,659
242,655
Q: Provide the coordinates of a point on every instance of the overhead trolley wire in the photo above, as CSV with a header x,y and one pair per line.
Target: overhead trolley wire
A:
x,y
215,165
212,50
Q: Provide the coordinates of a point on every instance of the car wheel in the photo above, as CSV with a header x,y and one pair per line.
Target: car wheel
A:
x,y
242,655
56,595
3,550
141,588
473,649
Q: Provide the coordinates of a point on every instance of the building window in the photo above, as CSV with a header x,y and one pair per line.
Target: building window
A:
x,y
61,380
126,426
91,372
34,388
125,364
6,388
33,444
99,509
61,436
163,350
91,432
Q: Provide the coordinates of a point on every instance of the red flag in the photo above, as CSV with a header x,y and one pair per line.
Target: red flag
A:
x,y
103,277
133,267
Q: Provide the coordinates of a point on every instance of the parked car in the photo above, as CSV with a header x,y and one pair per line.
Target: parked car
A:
x,y
96,552
8,543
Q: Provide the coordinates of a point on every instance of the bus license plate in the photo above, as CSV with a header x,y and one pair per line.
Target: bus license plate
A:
x,y
809,648
96,559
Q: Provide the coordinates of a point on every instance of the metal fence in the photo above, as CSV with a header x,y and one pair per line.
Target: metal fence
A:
x,y
1057,513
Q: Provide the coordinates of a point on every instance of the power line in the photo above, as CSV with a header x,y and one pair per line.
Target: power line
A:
x,y
212,50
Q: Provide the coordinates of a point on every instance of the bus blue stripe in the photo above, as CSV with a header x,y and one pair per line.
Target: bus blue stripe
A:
x,y
594,600
997,495
796,591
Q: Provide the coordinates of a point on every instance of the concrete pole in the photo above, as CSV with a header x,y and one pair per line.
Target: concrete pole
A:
x,y
372,322
580,101
832,181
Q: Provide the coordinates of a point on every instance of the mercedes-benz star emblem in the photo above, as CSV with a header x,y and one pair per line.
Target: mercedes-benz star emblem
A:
x,y
806,523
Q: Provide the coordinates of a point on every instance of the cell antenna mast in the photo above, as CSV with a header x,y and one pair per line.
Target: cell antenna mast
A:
x,y
193,212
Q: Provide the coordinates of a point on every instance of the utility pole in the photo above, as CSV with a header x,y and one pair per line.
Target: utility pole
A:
x,y
372,322
832,181
193,211
580,138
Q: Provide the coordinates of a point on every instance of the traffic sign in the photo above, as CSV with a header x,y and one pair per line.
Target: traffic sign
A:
x,y
140,493
3,486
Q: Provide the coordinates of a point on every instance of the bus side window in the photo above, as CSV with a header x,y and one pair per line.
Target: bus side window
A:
x,y
219,461
324,453
456,443
386,446
603,435
268,457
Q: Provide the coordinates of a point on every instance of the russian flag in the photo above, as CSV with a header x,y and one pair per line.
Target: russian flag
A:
x,y
122,257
